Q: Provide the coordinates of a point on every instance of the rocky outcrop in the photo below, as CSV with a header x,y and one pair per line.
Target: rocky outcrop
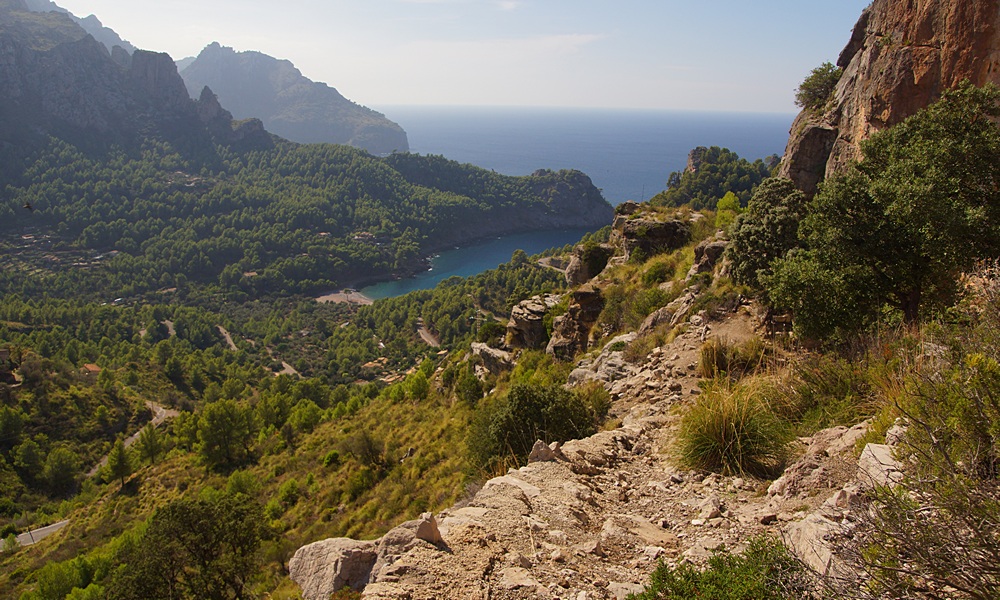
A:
x,y
494,360
252,84
587,261
900,57
526,328
648,235
90,24
571,331
327,566
707,255
154,76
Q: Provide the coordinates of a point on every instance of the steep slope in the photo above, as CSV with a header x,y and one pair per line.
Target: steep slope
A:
x,y
900,58
252,84
91,24
56,80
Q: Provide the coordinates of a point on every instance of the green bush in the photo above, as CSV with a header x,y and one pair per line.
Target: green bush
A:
x,y
506,428
817,88
939,530
331,459
764,571
732,429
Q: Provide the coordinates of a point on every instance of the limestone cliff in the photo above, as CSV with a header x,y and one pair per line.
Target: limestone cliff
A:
x,y
901,56
57,80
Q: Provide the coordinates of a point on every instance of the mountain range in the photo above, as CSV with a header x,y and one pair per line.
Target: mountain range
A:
x,y
252,84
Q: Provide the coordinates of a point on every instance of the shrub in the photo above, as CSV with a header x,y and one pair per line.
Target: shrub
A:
x,y
733,430
764,571
288,493
332,459
817,88
507,428
937,535
721,358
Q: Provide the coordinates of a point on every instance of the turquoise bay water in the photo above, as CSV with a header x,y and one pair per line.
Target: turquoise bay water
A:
x,y
472,260
627,153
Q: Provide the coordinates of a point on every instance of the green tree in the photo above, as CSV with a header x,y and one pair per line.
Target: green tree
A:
x,y
119,465
11,427
816,89
150,443
902,225
205,548
767,230
61,468
418,386
28,459
225,433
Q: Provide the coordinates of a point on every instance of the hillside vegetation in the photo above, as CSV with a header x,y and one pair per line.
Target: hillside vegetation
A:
x,y
293,219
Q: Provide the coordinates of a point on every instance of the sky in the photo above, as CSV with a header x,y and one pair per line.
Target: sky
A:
x,y
705,55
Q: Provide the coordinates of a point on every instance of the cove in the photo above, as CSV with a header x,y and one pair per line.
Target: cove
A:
x,y
472,260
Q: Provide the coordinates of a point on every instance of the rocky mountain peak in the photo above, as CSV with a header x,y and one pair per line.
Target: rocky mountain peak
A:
x,y
155,75
900,57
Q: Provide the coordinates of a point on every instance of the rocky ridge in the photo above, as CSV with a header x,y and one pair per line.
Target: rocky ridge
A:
x,y
900,58
91,24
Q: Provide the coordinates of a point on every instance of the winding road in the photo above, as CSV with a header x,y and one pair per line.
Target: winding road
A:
x,y
160,414
36,535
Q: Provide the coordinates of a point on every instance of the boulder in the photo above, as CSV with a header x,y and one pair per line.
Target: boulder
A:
x,y
659,317
325,567
878,467
807,539
707,255
401,540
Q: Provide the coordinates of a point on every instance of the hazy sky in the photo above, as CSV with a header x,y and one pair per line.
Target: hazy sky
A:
x,y
732,55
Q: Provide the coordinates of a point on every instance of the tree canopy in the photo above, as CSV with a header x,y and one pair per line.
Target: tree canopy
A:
x,y
816,89
900,227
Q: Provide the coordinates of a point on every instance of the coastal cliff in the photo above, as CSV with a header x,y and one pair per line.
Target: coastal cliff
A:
x,y
900,57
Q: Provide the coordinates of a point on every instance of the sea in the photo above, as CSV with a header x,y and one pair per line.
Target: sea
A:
x,y
628,154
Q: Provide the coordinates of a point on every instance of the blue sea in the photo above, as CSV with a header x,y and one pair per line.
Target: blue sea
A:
x,y
627,153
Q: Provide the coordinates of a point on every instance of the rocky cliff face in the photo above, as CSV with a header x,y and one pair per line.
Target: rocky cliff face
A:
x,y
252,84
56,80
900,57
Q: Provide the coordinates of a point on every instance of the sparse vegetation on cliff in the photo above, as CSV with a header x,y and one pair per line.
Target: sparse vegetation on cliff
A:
x,y
816,89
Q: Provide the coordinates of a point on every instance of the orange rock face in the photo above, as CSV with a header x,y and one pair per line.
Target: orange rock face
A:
x,y
901,56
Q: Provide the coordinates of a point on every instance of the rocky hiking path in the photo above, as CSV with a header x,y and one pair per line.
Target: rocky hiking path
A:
x,y
590,519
